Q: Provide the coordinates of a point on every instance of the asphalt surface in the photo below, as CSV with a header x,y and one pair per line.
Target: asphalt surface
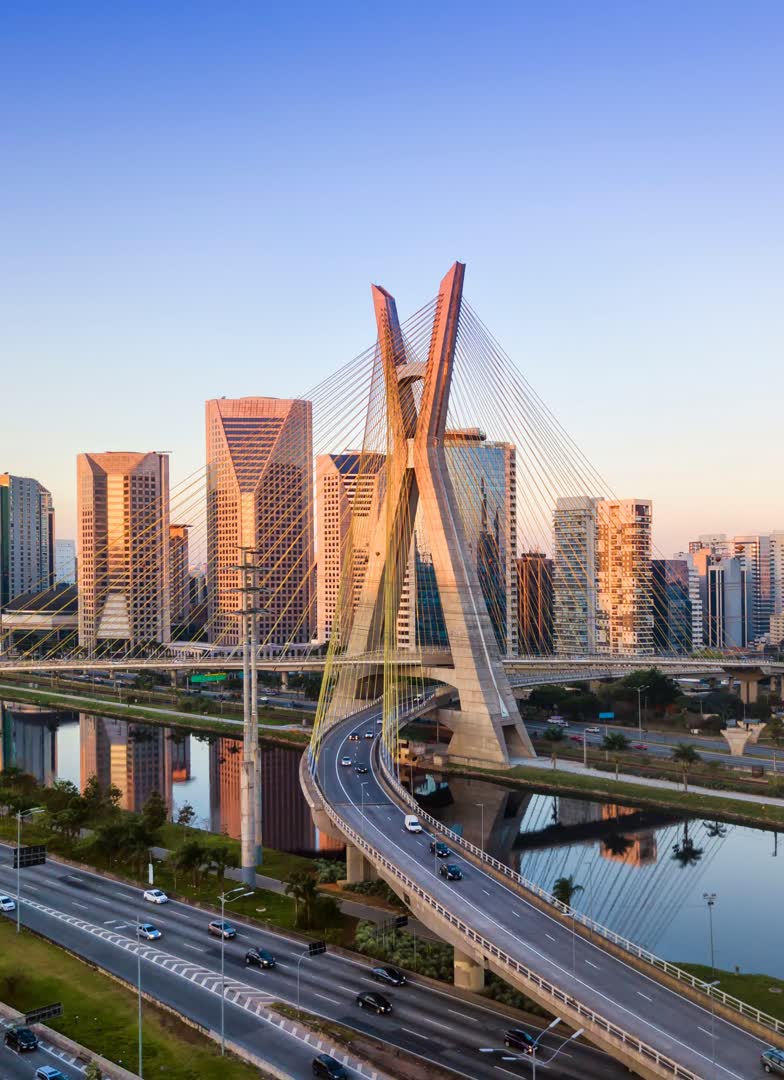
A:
x,y
95,917
660,744
643,1007
15,1066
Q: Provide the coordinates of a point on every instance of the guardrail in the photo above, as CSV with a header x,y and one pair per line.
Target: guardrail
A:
x,y
548,989
742,1007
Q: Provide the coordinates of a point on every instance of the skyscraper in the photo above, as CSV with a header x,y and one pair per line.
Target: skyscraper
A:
x,y
777,571
672,613
259,497
758,555
65,562
534,604
26,537
575,576
123,569
624,575
728,609
345,486
180,579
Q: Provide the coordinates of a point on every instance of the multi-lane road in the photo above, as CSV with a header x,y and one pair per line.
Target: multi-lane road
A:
x,y
665,1020
96,917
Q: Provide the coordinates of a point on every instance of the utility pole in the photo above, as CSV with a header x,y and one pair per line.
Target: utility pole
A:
x,y
250,781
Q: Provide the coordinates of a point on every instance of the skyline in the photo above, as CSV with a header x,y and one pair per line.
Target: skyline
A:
x,y
185,222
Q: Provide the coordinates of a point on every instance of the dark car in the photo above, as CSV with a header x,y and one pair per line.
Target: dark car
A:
x,y
324,1065
451,872
389,975
21,1039
369,999
361,769
773,1061
440,848
259,958
519,1039
354,736
221,929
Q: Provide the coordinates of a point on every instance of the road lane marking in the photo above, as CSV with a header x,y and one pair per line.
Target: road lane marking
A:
x,y
324,997
708,1033
550,936
436,1023
645,996
591,964
516,914
508,1072
465,1016
418,1034
180,915
348,989
196,948
487,892
84,907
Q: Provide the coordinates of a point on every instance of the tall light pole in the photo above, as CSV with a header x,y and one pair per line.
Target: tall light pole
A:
x,y
711,985
19,815
535,1047
139,992
639,690
481,806
710,900
227,897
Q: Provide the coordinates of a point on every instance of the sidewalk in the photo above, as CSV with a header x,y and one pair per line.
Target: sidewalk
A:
x,y
563,765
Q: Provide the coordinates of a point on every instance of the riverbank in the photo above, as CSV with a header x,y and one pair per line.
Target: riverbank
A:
x,y
288,734
736,808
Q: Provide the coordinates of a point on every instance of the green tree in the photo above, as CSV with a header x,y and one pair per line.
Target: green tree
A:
x,y
185,815
553,733
221,857
565,889
191,858
155,811
93,1071
686,756
615,742
301,887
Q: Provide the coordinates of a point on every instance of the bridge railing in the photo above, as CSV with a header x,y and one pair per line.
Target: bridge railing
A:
x,y
728,1000
550,990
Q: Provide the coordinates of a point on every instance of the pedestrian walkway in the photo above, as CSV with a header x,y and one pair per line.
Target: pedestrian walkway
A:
x,y
563,765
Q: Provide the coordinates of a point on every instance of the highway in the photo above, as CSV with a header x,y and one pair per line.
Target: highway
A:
x,y
660,743
640,1005
95,917
14,1066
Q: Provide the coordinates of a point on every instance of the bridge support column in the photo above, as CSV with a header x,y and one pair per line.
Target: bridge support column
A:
x,y
468,974
749,687
736,740
358,868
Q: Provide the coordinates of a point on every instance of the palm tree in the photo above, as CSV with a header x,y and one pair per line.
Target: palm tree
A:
x,y
565,888
686,756
221,857
686,853
301,887
615,742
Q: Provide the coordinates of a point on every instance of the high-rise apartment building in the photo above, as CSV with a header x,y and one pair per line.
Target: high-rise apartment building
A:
x,y
26,537
345,487
259,497
758,555
672,613
65,562
578,625
695,600
179,574
728,608
534,604
624,575
123,566
716,543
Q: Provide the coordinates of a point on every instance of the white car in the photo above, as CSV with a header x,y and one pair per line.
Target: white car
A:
x,y
593,731
346,761
7,904
156,896
411,823
148,931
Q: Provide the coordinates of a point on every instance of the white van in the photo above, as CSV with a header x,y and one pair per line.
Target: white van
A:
x,y
411,823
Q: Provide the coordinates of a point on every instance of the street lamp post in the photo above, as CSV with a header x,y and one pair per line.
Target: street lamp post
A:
x,y
227,897
19,815
713,1028
534,1048
639,690
139,992
710,900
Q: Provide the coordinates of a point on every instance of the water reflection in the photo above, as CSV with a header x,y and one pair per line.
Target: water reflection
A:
x,y
199,769
643,873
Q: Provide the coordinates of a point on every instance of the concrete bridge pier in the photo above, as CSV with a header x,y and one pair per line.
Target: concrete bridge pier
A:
x,y
469,974
358,868
284,680
749,687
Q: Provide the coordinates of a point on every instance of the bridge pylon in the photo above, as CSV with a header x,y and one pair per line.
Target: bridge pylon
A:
x,y
486,726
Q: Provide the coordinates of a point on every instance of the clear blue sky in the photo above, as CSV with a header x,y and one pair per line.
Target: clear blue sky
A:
x,y
194,197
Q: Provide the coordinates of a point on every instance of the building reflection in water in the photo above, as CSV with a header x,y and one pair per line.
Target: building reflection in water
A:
x,y
135,758
28,740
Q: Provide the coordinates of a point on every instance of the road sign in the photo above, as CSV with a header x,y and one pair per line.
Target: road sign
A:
x,y
213,676
316,948
606,715
29,856
46,1012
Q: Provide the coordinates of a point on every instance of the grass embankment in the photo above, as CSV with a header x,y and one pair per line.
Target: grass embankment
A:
x,y
620,791
763,992
157,715
275,864
101,1014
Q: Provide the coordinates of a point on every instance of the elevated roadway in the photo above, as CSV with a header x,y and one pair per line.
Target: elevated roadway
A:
x,y
652,1028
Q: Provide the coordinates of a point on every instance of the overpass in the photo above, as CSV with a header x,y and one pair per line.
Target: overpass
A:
x,y
652,1017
